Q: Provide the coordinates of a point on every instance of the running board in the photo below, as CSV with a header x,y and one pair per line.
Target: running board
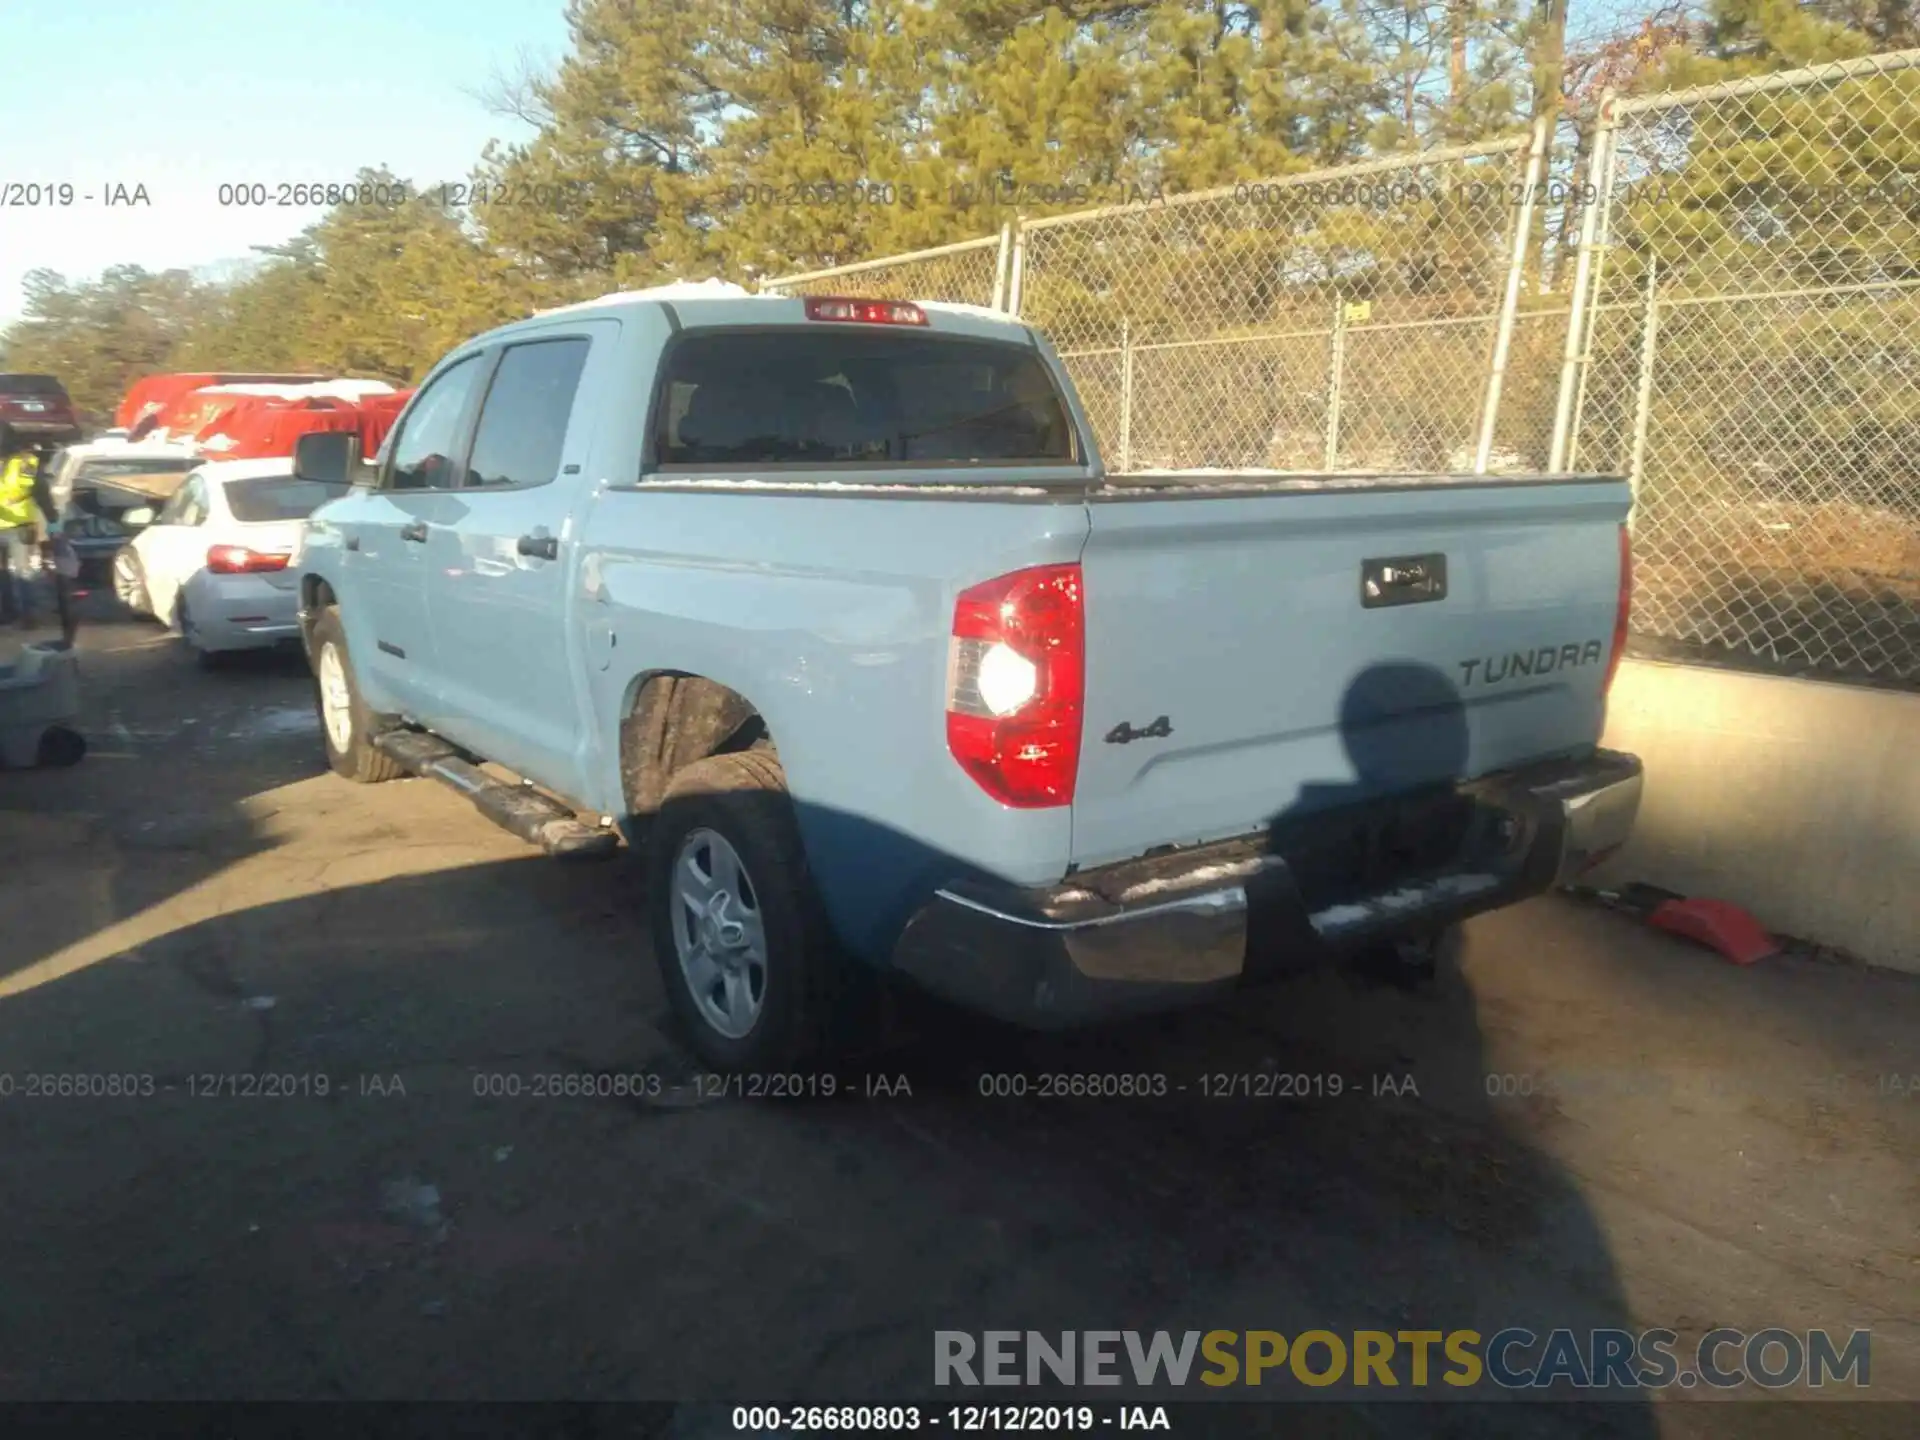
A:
x,y
518,809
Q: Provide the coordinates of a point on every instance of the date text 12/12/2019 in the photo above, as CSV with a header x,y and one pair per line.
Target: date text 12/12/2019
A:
x,y
959,1419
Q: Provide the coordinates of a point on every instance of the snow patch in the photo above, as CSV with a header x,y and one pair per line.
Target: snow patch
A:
x,y
978,312
307,390
1193,879
119,448
281,720
712,289
1408,897
854,486
1254,479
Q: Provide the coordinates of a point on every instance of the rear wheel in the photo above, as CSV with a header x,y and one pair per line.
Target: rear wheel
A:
x,y
347,726
1413,962
745,952
130,582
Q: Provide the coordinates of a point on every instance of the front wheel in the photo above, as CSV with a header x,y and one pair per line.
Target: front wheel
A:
x,y
744,948
347,726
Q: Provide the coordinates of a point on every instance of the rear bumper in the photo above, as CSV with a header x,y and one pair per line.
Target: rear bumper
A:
x,y
1157,933
245,612
43,427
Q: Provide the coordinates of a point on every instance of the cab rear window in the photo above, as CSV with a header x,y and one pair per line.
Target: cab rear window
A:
x,y
278,497
43,387
843,398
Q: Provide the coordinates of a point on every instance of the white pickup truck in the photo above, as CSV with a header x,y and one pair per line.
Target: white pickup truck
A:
x,y
831,609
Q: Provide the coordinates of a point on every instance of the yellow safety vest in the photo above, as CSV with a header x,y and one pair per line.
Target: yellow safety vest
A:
x,y
16,492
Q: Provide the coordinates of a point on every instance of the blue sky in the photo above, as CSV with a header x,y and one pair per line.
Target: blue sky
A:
x,y
183,95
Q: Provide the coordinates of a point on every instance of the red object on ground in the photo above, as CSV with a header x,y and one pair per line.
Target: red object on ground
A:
x,y
1719,925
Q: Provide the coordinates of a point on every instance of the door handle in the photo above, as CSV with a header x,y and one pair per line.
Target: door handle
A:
x,y
540,547
352,542
416,532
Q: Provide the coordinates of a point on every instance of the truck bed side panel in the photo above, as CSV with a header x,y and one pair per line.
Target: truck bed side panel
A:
x,y
831,614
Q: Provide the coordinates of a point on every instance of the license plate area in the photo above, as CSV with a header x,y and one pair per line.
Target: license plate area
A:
x,y
1402,580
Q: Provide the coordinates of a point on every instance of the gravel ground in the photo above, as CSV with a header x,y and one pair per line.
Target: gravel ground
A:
x,y
201,907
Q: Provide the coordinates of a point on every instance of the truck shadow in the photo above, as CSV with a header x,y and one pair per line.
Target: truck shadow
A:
x,y
1319,1153
1326,1149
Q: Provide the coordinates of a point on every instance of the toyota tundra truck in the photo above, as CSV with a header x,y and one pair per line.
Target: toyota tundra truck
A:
x,y
828,611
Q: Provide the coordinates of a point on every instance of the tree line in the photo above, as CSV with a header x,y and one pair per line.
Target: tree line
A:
x,y
746,138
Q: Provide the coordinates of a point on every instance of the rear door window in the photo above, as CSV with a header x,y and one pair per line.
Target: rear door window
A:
x,y
523,425
278,497
828,398
188,505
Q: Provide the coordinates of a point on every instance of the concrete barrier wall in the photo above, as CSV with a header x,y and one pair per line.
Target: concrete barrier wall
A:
x,y
1797,799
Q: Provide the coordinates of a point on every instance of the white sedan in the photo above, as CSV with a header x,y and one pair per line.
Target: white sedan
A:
x,y
212,563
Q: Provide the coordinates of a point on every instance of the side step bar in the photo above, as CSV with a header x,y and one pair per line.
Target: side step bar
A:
x,y
519,809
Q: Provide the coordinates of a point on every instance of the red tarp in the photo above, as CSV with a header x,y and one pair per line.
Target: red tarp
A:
x,y
268,426
258,425
377,414
161,390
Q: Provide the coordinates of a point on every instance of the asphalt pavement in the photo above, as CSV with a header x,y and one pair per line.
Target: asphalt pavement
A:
x,y
344,1093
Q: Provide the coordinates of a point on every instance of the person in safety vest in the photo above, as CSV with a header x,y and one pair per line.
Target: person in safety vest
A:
x,y
23,492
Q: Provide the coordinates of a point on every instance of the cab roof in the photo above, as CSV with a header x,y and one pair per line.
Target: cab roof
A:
x,y
721,303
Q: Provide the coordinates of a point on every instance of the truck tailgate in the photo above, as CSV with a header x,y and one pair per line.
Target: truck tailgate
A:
x,y
1235,676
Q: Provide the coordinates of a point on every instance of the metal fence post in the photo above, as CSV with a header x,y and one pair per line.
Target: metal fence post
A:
x,y
1336,365
1000,267
1597,288
1643,402
1126,395
1016,266
1573,356
1510,301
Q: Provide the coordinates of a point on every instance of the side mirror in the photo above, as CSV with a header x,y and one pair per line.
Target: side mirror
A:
x,y
139,515
329,456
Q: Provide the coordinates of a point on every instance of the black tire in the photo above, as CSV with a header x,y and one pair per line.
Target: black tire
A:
x,y
358,760
808,984
61,746
130,587
1413,963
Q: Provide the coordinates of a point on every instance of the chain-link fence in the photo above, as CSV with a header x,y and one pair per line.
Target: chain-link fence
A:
x,y
1339,319
1715,291
972,272
1751,357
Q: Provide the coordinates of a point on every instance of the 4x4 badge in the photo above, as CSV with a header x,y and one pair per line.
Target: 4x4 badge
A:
x,y
1123,733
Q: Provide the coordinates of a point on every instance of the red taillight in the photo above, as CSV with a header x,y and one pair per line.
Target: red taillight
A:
x,y
239,560
864,312
1016,676
1625,609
